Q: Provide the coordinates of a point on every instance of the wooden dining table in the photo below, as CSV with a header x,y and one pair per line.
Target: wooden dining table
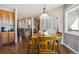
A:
x,y
36,38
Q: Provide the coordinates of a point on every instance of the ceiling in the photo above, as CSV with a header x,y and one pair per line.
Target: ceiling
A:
x,y
28,10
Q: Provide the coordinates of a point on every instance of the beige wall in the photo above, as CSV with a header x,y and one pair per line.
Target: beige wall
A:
x,y
58,12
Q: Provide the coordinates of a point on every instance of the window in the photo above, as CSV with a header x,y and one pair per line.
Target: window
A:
x,y
75,24
72,19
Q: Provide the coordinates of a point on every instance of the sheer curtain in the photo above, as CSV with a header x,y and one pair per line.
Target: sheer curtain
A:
x,y
50,25
53,26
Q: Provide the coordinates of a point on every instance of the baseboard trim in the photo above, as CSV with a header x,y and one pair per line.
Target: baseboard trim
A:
x,y
70,48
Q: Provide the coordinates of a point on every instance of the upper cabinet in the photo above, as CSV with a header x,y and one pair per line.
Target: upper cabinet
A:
x,y
1,17
5,17
0,20
11,18
6,20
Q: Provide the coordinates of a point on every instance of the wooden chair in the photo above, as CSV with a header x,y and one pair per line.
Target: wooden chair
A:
x,y
46,44
33,44
58,42
59,34
26,35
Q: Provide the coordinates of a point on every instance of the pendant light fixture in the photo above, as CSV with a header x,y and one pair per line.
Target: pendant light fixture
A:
x,y
44,15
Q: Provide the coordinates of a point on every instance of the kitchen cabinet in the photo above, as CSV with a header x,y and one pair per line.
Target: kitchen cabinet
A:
x,y
7,33
4,38
11,37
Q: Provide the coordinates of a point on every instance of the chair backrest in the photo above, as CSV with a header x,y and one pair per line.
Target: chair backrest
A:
x,y
47,42
49,38
59,33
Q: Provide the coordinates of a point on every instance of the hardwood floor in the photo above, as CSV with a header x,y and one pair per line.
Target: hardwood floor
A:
x,y
21,48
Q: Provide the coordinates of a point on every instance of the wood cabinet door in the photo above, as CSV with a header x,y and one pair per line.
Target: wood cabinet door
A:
x,y
4,38
11,37
5,18
0,18
11,18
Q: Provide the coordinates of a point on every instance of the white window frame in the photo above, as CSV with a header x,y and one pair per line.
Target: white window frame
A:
x,y
66,17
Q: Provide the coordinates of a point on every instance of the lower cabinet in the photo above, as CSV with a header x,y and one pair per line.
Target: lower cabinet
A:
x,y
4,37
11,37
7,37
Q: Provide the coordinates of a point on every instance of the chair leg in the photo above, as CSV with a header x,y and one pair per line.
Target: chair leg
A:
x,y
54,46
59,47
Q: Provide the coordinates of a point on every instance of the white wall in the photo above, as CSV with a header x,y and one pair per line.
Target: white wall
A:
x,y
58,12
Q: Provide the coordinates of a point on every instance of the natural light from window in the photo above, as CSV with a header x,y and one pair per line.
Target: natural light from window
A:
x,y
75,26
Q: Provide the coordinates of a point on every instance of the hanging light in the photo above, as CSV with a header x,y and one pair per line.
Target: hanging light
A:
x,y
44,15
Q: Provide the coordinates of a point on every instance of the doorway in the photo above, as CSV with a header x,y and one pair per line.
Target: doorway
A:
x,y
24,29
